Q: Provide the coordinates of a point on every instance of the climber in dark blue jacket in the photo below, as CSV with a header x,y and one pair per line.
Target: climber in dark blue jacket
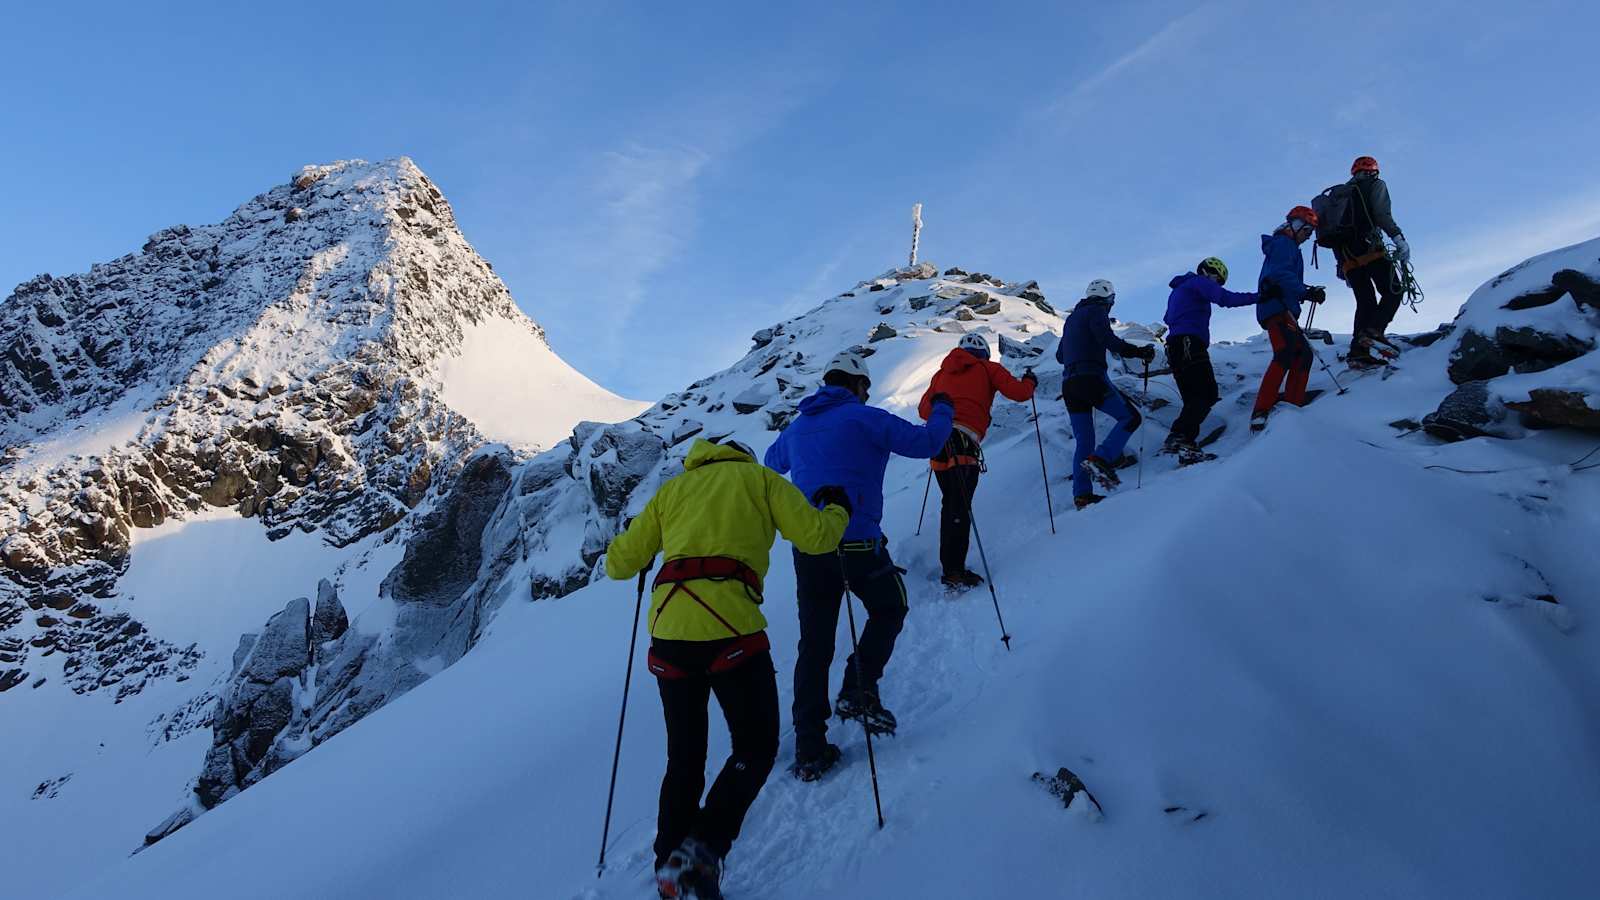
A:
x,y
1085,341
839,440
1188,349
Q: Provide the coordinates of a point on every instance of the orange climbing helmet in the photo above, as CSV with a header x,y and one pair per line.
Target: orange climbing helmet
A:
x,y
1363,164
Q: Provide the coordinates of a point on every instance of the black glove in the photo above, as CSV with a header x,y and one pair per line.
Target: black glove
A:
x,y
942,397
1316,293
1029,376
832,494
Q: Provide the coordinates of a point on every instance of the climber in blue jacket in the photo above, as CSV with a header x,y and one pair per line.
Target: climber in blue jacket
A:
x,y
839,440
1085,341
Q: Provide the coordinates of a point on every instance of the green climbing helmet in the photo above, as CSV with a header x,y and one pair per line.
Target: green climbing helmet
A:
x,y
1214,266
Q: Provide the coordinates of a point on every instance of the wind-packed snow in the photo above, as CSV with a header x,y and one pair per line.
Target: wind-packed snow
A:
x,y
1331,642
516,390
211,578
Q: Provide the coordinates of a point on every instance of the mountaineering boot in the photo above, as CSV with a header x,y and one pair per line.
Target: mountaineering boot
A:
x,y
1102,472
1380,345
1362,362
812,767
1189,453
1258,421
865,707
692,872
960,581
1084,500
1173,444
701,875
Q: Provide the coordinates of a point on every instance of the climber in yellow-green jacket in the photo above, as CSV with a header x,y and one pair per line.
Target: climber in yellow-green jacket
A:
x,y
715,525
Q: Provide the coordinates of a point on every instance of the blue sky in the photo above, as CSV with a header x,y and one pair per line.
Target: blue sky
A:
x,y
657,181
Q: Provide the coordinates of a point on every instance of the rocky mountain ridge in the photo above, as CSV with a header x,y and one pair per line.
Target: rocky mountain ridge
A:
x,y
276,363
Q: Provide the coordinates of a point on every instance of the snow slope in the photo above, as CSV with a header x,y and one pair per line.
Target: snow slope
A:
x,y
507,380
1327,642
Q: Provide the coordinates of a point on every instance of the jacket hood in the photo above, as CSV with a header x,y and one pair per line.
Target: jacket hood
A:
x,y
1267,239
704,452
1095,301
828,397
959,360
1180,279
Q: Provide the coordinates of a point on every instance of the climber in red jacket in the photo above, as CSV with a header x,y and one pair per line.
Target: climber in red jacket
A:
x,y
971,380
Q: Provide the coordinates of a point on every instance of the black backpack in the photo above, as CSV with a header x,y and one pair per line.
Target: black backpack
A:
x,y
1338,223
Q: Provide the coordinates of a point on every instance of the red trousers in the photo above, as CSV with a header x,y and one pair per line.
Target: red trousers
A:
x,y
1291,356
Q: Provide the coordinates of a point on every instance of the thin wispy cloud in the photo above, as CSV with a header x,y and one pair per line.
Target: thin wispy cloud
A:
x,y
813,290
648,213
643,197
1185,27
1455,268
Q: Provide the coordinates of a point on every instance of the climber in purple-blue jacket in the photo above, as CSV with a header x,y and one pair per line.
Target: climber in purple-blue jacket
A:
x,y
1188,339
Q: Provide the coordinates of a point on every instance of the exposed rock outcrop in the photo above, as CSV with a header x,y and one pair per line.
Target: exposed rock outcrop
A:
x,y
1519,347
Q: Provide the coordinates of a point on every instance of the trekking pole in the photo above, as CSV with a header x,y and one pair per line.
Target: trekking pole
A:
x,y
855,650
1325,368
1144,403
616,755
1049,504
1005,636
1322,362
1317,354
925,489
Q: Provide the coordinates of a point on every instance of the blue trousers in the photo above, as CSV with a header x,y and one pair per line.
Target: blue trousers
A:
x,y
1084,394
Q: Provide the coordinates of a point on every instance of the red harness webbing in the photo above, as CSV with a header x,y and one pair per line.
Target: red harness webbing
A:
x,y
737,653
678,572
715,568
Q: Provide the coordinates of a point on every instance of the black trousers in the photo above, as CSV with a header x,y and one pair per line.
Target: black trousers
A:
x,y
748,695
1197,383
957,486
820,583
1377,293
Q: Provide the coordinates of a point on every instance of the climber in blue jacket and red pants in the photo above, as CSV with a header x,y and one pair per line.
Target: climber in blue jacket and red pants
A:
x,y
1279,295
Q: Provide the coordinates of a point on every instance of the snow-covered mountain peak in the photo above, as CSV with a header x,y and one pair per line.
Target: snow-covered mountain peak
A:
x,y
321,360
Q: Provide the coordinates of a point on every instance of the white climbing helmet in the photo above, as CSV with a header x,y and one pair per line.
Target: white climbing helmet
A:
x,y
975,343
850,363
1101,289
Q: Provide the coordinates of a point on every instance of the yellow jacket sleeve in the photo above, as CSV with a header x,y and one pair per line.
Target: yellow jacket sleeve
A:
x,y
633,549
809,529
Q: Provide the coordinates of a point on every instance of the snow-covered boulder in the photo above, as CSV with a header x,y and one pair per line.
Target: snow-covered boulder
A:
x,y
1526,341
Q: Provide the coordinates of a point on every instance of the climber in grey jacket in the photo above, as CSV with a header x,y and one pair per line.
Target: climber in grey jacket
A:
x,y
1366,265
